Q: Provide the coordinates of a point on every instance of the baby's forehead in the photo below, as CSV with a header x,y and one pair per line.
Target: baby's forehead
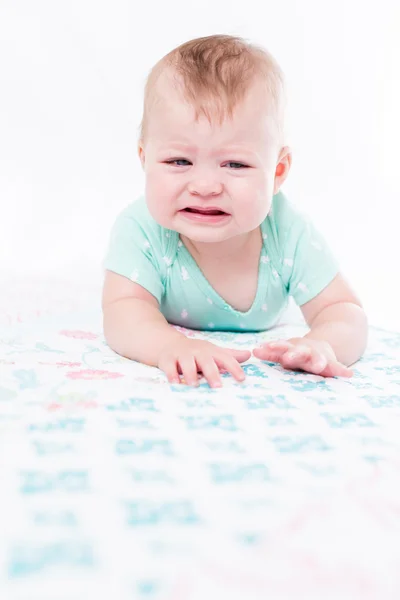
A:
x,y
171,113
169,91
178,127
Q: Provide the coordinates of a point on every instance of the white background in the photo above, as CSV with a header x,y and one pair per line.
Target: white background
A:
x,y
71,82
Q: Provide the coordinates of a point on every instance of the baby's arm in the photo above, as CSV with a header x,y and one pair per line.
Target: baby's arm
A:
x,y
135,328
133,324
337,338
311,275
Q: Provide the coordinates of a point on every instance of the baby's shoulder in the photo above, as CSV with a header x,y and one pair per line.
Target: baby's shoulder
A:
x,y
284,220
137,213
284,213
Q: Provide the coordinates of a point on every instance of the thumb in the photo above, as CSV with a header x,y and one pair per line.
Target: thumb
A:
x,y
240,355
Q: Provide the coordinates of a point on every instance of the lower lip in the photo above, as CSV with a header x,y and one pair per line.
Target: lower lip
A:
x,y
204,218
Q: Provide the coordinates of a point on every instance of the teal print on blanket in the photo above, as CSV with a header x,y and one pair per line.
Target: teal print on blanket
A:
x,y
234,473
121,406
268,401
150,513
151,476
135,424
254,370
372,357
221,422
318,470
202,402
391,370
203,388
27,378
250,538
307,443
225,447
145,404
279,421
320,400
147,588
45,348
383,401
391,342
340,421
25,560
374,459
147,446
304,385
55,518
44,448
37,482
68,425
7,394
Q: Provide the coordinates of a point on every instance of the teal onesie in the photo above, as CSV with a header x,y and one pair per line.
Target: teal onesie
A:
x,y
295,261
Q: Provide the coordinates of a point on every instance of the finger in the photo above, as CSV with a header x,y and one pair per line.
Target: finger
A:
x,y
321,366
278,344
230,364
337,369
210,371
314,363
345,371
270,354
301,355
239,355
169,367
189,370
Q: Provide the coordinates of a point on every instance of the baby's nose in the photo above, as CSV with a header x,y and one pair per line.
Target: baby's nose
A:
x,y
205,187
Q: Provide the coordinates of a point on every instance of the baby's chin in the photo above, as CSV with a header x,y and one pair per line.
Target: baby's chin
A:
x,y
199,232
208,235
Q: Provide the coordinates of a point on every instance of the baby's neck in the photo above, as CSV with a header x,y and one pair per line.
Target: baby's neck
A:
x,y
228,250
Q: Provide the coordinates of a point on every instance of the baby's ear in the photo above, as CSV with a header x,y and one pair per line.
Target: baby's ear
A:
x,y
283,167
141,153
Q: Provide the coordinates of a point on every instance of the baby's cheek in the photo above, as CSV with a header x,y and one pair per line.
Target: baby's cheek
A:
x,y
159,210
162,187
253,212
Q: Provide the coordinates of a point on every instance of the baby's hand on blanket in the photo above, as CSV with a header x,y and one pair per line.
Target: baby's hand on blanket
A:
x,y
189,356
303,354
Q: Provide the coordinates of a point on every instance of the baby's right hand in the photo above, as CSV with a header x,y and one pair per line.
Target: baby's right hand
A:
x,y
188,356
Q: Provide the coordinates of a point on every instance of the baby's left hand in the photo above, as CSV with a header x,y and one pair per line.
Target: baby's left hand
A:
x,y
303,354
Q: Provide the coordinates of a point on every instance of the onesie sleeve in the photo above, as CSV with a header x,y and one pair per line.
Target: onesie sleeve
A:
x,y
132,252
308,263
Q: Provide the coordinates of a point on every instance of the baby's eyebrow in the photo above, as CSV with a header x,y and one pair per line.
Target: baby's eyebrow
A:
x,y
227,148
168,145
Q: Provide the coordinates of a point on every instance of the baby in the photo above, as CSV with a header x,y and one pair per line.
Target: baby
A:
x,y
214,244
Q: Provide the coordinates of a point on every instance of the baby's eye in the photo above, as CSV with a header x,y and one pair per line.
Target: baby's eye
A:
x,y
238,165
172,162
234,165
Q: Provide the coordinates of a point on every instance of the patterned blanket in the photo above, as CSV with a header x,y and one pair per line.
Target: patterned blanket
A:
x,y
116,484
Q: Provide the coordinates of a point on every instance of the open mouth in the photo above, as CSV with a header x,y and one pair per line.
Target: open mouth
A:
x,y
205,211
210,215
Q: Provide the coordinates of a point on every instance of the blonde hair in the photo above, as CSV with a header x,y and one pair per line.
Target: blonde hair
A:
x,y
214,73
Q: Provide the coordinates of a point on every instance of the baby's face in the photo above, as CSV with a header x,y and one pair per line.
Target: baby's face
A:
x,y
209,183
